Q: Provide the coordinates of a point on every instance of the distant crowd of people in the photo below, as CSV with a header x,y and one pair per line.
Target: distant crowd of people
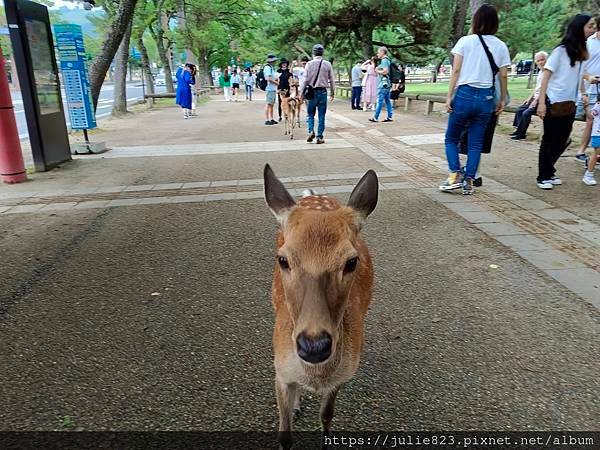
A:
x,y
567,86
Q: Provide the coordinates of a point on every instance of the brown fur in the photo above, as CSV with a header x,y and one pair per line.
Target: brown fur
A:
x,y
291,105
318,238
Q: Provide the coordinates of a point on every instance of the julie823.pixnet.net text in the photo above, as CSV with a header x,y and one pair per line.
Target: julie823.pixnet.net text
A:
x,y
464,440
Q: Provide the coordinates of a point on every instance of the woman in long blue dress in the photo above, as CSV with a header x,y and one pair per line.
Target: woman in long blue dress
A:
x,y
183,97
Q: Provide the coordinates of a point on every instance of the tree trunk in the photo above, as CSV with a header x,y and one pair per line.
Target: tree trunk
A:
x,y
158,36
475,5
111,43
121,59
366,38
189,56
145,65
437,69
204,72
530,80
458,24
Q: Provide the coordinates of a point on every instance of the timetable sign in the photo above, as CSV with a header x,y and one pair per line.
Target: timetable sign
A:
x,y
73,65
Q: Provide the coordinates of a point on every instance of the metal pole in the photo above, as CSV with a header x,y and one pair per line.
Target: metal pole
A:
x,y
12,166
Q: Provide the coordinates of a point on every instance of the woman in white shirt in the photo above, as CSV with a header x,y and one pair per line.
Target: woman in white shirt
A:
x,y
477,97
563,75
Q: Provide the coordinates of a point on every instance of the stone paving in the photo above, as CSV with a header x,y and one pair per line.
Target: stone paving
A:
x,y
152,278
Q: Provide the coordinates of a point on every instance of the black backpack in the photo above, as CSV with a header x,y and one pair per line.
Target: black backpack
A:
x,y
261,81
395,74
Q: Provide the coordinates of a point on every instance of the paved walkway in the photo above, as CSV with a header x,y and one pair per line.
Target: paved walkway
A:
x,y
139,277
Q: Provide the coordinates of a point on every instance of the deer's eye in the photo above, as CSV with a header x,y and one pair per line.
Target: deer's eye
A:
x,y
350,265
283,262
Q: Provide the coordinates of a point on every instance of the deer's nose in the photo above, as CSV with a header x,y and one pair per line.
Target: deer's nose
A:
x,y
314,350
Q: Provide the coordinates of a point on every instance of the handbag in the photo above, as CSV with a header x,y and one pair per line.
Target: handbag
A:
x,y
562,109
495,75
309,90
566,108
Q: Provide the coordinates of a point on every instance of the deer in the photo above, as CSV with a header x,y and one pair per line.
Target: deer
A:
x,y
290,107
321,290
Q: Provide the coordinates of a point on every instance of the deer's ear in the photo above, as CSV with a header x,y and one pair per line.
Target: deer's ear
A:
x,y
278,198
364,196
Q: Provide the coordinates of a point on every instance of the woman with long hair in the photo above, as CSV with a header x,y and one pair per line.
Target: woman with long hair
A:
x,y
563,76
183,96
370,88
478,96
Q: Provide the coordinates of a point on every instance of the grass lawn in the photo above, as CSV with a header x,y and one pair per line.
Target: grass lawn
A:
x,y
516,86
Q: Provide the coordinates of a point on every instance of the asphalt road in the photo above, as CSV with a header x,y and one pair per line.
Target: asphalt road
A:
x,y
105,102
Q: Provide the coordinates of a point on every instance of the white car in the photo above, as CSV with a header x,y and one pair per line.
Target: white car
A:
x,y
160,80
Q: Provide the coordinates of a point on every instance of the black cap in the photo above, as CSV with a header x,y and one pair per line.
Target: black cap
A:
x,y
318,50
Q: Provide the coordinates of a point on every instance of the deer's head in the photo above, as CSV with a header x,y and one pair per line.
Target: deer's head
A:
x,y
319,259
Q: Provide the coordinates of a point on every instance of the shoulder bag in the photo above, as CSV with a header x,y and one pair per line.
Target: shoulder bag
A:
x,y
566,108
309,90
495,74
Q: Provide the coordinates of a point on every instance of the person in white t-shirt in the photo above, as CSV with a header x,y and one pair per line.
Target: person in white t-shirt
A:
x,y
591,71
474,102
563,78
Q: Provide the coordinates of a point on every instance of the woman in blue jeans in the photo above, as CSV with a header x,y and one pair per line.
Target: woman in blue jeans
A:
x,y
472,95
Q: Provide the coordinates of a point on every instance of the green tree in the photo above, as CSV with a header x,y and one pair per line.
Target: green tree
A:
x,y
121,14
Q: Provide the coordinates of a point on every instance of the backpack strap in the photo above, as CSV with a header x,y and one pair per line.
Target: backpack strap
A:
x,y
493,65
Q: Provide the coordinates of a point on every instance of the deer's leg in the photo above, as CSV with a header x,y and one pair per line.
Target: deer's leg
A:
x,y
296,407
286,393
327,406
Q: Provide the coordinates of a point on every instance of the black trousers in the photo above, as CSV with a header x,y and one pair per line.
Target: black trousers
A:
x,y
523,119
556,134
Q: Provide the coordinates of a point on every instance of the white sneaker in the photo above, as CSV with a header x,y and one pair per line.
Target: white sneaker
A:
x,y
546,184
589,179
556,181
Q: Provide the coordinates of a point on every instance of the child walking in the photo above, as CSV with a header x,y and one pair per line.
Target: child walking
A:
x,y
588,178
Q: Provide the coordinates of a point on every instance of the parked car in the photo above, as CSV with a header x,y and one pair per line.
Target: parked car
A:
x,y
160,80
524,66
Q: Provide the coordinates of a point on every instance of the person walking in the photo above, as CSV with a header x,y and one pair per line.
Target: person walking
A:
x,y
529,107
194,71
271,89
250,80
284,82
357,75
318,76
370,84
588,176
225,83
183,96
384,84
235,84
477,58
563,77
592,70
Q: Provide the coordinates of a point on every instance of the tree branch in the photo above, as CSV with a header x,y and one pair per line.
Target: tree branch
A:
x,y
383,44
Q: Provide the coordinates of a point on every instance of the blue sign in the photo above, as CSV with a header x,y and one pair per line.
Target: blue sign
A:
x,y
72,56
135,53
